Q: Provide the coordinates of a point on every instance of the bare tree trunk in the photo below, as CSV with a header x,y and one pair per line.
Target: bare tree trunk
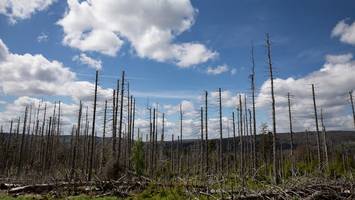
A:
x,y
153,144
309,158
317,130
325,145
42,135
103,157
172,154
241,164
128,141
121,115
7,149
220,133
251,143
114,118
77,135
201,143
206,131
291,136
20,162
275,166
92,152
180,149
352,105
255,161
234,142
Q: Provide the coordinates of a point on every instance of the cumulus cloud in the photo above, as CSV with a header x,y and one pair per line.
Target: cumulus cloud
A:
x,y
84,59
33,75
187,108
333,82
345,32
22,9
149,26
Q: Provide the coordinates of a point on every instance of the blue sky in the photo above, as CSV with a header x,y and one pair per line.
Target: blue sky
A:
x,y
301,34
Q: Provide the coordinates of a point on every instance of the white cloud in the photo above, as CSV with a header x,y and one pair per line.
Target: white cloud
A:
x,y
84,59
345,31
35,75
22,9
220,69
332,81
217,70
42,37
149,25
187,108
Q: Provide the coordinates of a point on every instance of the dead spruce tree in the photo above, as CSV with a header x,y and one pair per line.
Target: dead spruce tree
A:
x,y
274,139
255,161
352,105
76,143
325,145
220,133
121,117
20,161
206,132
291,136
92,152
319,153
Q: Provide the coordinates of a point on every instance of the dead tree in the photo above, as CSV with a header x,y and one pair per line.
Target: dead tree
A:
x,y
161,148
20,161
201,143
234,142
246,134
255,161
76,143
103,158
220,132
291,135
251,143
172,154
121,115
92,152
114,124
317,129
241,157
41,155
352,105
180,141
153,142
275,166
206,131
325,145
7,148
128,141
133,120
309,158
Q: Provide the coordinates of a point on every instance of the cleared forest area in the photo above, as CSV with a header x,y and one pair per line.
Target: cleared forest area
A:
x,y
39,158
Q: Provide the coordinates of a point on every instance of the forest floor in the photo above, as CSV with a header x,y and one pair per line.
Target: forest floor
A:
x,y
132,188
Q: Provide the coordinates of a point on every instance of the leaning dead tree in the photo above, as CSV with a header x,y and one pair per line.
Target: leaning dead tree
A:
x,y
291,136
352,105
317,129
274,139
325,145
